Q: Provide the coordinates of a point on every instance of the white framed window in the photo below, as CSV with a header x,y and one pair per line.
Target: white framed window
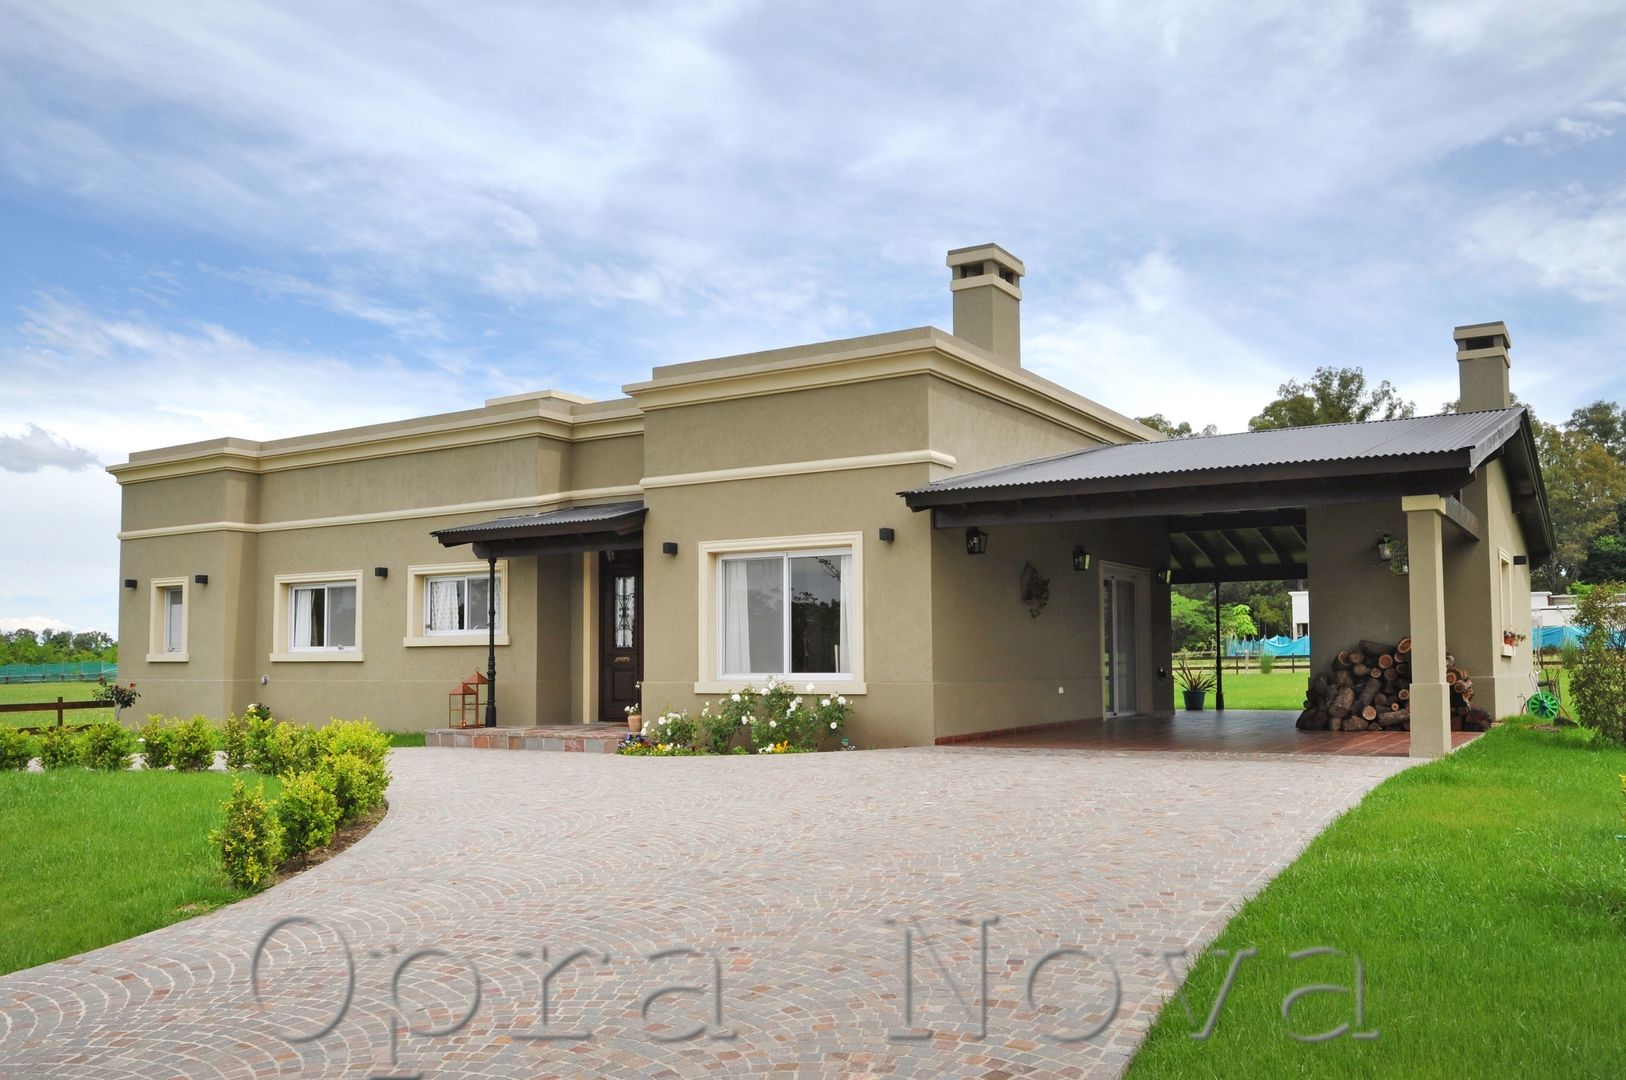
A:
x,y
790,607
318,617
448,604
168,624
1505,583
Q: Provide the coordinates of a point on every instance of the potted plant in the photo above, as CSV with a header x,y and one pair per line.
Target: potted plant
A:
x,y
1194,683
635,714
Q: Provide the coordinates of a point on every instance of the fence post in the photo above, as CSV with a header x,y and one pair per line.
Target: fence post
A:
x,y
60,712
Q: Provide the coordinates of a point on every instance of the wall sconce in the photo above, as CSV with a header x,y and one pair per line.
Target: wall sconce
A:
x,y
1165,575
1081,559
976,541
200,579
669,547
887,536
1521,560
1386,547
381,571
129,583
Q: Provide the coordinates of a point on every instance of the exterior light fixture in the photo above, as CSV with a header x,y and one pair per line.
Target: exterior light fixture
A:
x,y
200,579
129,583
1165,575
1521,560
887,536
669,547
381,571
976,541
1081,559
1386,547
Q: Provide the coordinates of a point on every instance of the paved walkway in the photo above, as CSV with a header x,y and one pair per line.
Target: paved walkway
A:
x,y
784,870
1234,731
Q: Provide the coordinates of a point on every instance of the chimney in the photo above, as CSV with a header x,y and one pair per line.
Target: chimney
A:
x,y
1482,365
987,286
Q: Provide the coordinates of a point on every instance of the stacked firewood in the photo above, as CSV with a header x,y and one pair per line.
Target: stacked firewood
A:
x,y
1369,689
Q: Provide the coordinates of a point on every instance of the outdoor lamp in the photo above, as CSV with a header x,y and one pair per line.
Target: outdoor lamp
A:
x,y
887,535
1165,575
129,583
381,571
669,547
1081,559
200,579
1386,550
1521,560
976,541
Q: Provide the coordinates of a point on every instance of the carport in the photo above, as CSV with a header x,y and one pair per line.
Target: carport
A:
x,y
1463,490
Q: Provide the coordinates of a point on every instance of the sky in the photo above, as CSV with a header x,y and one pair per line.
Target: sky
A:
x,y
264,220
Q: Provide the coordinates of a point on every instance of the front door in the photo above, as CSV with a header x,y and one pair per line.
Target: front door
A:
x,y
1123,591
621,632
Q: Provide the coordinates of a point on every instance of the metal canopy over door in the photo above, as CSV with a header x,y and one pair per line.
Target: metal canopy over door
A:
x,y
621,632
1124,605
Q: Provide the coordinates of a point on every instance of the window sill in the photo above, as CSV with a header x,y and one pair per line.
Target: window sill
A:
x,y
318,656
845,689
465,640
167,658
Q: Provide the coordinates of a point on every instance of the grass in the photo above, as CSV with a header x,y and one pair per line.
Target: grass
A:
x,y
94,858
1284,690
1485,895
12,693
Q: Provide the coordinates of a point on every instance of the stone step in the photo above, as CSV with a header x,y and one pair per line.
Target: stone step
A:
x,y
563,738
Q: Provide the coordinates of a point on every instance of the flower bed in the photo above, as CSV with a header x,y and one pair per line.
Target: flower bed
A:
x,y
772,720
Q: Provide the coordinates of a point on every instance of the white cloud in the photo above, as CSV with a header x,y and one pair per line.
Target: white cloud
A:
x,y
36,623
1569,240
37,449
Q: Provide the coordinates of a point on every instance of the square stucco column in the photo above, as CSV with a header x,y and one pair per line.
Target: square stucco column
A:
x,y
1430,697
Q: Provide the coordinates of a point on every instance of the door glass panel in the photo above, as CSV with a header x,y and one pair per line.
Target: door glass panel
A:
x,y
1124,642
1107,630
626,611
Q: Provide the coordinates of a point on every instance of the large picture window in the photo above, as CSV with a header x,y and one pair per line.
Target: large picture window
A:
x,y
786,613
324,616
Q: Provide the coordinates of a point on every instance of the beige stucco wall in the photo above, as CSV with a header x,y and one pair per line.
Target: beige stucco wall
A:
x,y
1353,594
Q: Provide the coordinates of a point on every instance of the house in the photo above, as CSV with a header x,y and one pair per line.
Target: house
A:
x,y
911,519
1299,599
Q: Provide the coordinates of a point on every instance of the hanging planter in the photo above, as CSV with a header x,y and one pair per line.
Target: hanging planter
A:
x,y
1035,589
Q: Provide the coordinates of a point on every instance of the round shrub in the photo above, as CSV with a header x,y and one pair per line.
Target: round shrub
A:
x,y
261,730
155,740
672,728
108,746
234,740
192,744
292,748
61,749
357,737
250,839
16,749
357,785
308,813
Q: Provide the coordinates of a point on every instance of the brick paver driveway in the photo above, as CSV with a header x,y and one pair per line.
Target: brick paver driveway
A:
x,y
795,881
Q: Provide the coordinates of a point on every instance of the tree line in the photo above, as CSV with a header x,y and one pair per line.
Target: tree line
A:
x,y
56,647
1583,465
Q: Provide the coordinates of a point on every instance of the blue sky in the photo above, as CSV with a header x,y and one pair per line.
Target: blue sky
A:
x,y
263,220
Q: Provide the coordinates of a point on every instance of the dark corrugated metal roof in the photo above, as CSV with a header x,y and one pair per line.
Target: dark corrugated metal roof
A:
x,y
602,517
1477,434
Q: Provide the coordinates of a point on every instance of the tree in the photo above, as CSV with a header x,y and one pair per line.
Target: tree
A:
x,y
1191,624
1598,668
1331,396
1585,487
1605,559
1236,624
1605,423
1182,430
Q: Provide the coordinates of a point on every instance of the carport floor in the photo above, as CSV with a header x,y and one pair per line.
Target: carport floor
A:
x,y
1234,731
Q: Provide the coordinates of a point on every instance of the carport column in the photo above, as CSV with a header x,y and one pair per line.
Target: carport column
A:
x,y
1430,697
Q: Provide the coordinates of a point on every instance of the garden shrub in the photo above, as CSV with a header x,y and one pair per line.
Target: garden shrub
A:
x,y
108,746
291,748
308,813
1267,663
356,737
155,742
250,839
234,740
357,785
192,744
16,749
673,728
261,730
1598,673
60,749
716,730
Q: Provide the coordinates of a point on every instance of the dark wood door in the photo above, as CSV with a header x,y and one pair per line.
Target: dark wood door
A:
x,y
620,632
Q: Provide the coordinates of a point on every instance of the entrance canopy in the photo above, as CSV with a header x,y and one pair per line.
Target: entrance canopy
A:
x,y
614,526
1235,503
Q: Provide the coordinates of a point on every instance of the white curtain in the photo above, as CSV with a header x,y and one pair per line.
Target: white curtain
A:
x,y
444,604
844,664
303,599
172,620
736,618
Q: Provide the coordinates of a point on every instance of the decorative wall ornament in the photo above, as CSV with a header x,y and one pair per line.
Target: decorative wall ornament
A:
x,y
1035,589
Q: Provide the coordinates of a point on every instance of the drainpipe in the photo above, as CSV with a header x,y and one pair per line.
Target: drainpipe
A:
x,y
1219,665
491,640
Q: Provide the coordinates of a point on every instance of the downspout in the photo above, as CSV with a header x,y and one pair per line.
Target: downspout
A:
x,y
1219,665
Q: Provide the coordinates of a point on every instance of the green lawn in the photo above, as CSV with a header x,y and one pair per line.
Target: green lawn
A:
x,y
1485,895
1282,690
93,858
67,691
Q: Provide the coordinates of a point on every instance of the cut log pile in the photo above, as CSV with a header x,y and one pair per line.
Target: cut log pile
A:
x,y
1369,689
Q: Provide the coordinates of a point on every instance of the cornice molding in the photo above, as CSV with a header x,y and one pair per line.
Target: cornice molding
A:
x,y
801,468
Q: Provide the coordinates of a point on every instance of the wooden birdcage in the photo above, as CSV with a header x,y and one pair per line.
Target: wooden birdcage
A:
x,y
465,706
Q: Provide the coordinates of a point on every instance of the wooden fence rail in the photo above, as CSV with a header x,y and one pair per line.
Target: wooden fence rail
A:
x,y
59,707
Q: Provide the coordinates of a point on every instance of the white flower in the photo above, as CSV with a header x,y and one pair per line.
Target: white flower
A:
x,y
745,720
825,704
841,700
810,688
773,723
736,697
832,725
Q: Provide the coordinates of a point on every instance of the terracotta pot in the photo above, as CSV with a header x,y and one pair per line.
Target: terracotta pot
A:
x,y
635,722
